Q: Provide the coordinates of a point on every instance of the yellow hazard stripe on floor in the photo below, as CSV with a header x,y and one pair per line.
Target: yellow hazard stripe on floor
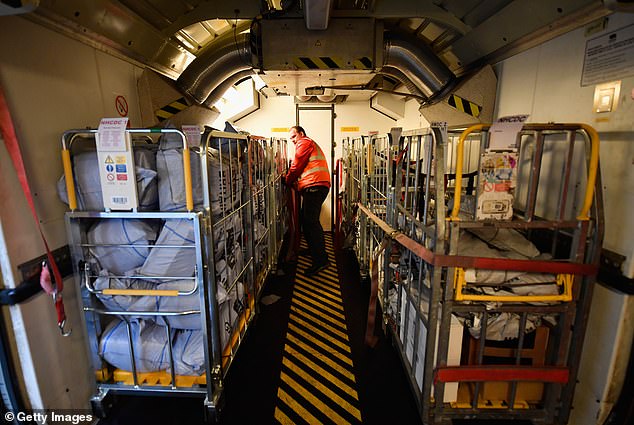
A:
x,y
464,105
173,108
331,62
317,381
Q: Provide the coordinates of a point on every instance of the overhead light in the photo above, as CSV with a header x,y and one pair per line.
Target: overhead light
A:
x,y
315,91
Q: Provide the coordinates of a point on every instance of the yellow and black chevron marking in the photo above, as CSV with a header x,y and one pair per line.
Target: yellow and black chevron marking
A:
x,y
172,109
331,62
464,105
317,382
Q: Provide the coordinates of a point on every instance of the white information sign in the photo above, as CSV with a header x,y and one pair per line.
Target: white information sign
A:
x,y
503,133
112,134
192,134
116,165
609,57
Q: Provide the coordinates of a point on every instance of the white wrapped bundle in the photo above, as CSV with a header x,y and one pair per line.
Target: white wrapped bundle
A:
x,y
473,246
171,180
120,260
88,183
180,303
151,351
189,353
226,183
226,234
231,304
172,262
225,276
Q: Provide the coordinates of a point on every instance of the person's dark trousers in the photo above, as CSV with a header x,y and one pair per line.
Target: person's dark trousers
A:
x,y
312,198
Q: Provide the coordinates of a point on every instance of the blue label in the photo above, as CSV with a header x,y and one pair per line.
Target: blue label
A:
x,y
121,168
109,168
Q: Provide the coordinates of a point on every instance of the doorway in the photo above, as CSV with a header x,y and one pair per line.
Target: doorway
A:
x,y
319,123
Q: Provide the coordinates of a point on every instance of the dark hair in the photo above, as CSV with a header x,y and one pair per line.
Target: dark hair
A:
x,y
299,129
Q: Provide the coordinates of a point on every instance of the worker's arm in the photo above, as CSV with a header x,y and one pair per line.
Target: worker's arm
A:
x,y
303,149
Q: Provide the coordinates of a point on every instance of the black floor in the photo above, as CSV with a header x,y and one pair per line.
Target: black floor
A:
x,y
252,383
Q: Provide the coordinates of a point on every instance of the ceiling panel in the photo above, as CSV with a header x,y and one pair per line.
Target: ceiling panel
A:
x,y
167,35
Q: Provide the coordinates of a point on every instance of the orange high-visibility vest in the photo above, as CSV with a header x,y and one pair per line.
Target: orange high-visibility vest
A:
x,y
316,172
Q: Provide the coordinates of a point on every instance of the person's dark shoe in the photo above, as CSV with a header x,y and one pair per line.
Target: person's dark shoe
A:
x,y
316,268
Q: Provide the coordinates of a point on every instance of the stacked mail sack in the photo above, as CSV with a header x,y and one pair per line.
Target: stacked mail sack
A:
x,y
258,174
226,172
88,183
492,242
169,268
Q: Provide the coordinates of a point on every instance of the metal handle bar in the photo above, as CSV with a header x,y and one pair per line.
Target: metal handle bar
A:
x,y
140,313
68,170
135,292
592,171
564,280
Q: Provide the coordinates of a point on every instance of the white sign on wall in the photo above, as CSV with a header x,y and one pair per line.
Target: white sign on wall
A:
x,y
609,57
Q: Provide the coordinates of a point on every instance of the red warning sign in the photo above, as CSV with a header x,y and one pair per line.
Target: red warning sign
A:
x,y
122,106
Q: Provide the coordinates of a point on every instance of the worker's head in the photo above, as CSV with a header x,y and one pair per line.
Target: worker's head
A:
x,y
296,131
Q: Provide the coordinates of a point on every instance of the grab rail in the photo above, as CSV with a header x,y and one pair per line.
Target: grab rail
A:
x,y
564,280
592,170
68,169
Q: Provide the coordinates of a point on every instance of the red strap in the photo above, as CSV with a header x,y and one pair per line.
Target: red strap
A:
x,y
370,338
486,373
292,203
11,143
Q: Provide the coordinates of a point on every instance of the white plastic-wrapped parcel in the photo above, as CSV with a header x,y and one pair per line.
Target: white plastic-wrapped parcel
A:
x,y
88,183
226,179
151,349
116,231
171,180
149,344
172,262
226,233
230,304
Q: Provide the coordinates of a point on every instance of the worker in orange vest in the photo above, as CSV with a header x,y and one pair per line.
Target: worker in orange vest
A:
x,y
310,169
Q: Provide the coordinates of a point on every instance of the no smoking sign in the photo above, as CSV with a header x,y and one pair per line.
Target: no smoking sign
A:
x,y
122,106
